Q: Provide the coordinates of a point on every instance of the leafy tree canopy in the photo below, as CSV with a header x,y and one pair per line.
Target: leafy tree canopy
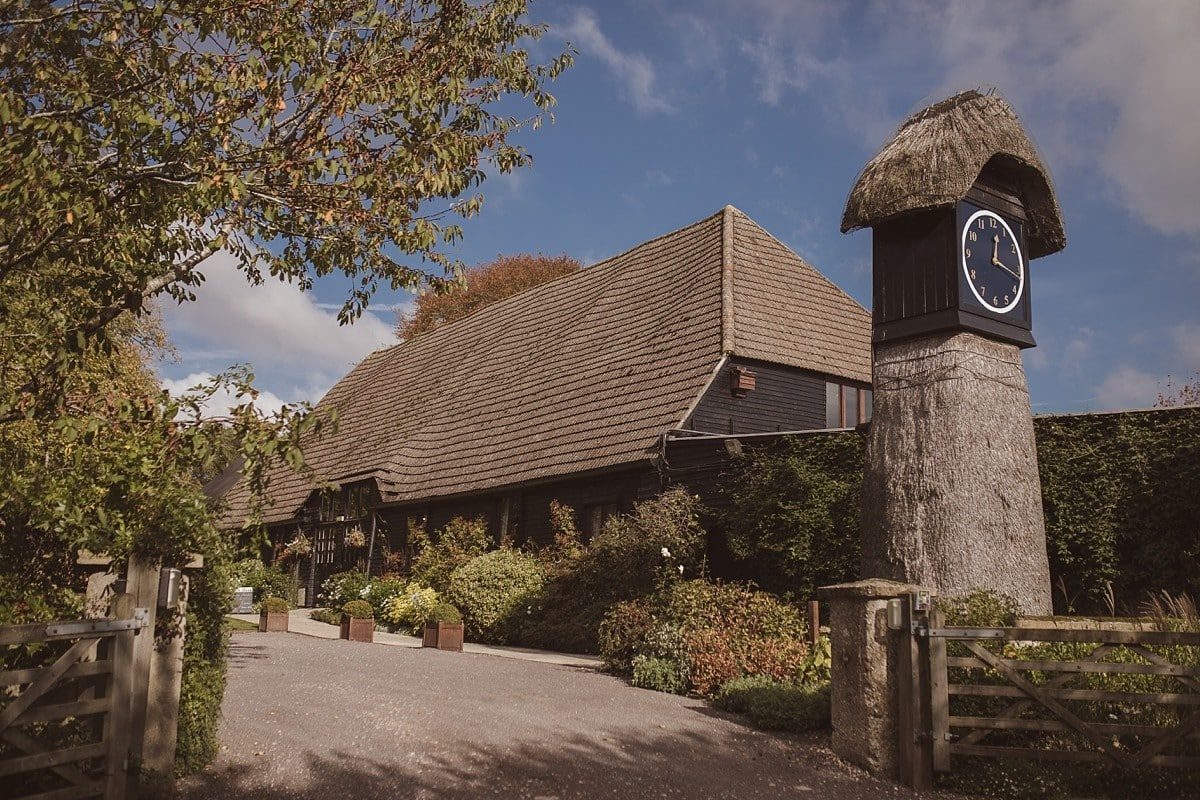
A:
x,y
481,286
307,138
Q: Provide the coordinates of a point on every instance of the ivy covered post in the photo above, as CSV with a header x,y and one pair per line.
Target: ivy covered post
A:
x,y
959,202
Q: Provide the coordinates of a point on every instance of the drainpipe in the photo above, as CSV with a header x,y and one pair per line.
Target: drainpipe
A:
x,y
371,545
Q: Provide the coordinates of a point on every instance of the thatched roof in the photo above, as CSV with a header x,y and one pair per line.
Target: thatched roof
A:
x,y
938,153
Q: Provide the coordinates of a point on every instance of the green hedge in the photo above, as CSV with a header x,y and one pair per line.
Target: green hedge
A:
x,y
206,645
1121,494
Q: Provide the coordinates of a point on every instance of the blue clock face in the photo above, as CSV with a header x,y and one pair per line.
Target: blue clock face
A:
x,y
992,261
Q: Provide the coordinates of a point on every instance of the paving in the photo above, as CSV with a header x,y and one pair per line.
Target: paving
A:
x,y
300,621
310,717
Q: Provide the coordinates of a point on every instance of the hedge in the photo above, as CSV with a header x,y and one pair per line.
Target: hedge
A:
x,y
1121,494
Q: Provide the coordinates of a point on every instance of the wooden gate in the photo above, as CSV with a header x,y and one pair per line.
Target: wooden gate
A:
x,y
65,725
1092,694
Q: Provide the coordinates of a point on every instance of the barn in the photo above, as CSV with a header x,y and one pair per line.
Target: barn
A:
x,y
574,391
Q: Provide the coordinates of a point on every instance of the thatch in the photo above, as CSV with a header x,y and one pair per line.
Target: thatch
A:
x,y
938,153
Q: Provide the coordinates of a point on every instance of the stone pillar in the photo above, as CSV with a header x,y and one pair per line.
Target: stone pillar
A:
x,y
951,494
866,672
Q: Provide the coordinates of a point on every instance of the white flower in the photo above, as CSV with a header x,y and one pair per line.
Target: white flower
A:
x,y
364,591
666,553
681,569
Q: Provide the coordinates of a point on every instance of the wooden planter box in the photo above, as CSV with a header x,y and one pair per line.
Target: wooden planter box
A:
x,y
443,636
272,622
358,630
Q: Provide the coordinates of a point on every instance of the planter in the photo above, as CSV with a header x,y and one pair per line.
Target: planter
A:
x,y
272,621
443,636
358,630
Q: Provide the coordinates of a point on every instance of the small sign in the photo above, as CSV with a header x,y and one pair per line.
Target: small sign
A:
x,y
243,600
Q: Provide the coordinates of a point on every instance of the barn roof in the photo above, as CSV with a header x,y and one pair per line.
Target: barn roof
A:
x,y
937,154
581,373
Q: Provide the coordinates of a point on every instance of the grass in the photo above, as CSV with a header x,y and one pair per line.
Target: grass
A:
x,y
240,624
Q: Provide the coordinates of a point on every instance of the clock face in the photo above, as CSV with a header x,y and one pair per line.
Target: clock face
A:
x,y
992,261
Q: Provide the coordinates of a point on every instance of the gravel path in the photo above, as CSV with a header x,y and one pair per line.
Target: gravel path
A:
x,y
322,719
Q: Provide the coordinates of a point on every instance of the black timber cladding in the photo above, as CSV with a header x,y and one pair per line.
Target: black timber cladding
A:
x,y
783,399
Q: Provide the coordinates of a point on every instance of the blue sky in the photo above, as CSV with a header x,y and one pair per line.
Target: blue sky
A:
x,y
675,109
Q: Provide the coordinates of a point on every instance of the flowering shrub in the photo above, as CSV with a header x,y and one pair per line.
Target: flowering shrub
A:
x,y
380,591
356,538
342,587
454,545
491,589
716,631
409,608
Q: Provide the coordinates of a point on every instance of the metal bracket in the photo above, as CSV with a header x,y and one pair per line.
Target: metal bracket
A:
x,y
139,620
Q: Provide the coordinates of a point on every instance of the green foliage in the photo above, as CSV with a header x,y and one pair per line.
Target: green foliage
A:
x,y
494,588
659,674
337,139
775,706
459,541
817,667
791,513
381,590
342,587
205,648
624,561
358,609
326,615
445,614
981,608
274,605
717,632
265,580
409,608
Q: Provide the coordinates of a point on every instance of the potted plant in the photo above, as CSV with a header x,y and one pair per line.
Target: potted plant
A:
x,y
444,628
358,621
273,615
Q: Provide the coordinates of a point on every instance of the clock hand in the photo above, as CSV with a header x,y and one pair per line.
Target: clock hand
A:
x,y
997,262
996,249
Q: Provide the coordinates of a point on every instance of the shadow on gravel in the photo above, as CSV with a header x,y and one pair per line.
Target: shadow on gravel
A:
x,y
600,768
240,652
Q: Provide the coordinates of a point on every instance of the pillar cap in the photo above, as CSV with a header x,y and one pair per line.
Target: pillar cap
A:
x,y
870,589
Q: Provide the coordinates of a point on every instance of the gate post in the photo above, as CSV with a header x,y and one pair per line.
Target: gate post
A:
x,y
874,668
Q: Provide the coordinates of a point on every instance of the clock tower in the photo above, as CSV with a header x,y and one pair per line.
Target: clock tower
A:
x,y
959,202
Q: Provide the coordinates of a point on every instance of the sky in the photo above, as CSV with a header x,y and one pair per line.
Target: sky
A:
x,y
675,109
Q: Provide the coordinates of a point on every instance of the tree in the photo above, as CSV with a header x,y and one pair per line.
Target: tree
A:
x,y
1180,394
480,286
306,138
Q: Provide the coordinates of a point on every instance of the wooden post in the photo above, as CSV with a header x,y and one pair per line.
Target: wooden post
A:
x,y
118,722
162,705
939,695
142,584
814,621
914,752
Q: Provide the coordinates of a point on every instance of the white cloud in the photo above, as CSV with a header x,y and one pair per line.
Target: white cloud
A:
x,y
1126,387
220,403
1187,345
294,343
634,70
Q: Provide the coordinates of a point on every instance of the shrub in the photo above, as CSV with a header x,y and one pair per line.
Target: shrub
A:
x,y
623,562
274,605
446,614
716,631
202,685
492,588
776,706
409,608
659,674
981,608
342,587
817,667
455,544
264,580
381,590
327,615
358,609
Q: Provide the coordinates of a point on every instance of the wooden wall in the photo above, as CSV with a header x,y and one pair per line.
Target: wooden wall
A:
x,y
783,399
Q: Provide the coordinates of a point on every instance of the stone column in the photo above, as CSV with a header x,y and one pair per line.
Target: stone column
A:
x,y
866,672
951,494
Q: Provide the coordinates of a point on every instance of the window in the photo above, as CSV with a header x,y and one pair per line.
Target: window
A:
x,y
846,406
594,515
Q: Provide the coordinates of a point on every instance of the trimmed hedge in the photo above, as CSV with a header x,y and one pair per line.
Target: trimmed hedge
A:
x,y
491,591
1121,494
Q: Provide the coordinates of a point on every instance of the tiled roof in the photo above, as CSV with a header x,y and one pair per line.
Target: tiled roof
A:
x,y
581,373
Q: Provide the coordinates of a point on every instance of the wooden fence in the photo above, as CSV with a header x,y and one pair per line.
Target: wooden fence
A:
x,y
66,724
1139,699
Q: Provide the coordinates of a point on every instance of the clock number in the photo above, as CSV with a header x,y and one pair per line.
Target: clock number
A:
x,y
992,220
995,300
1007,298
1014,248
972,274
968,252
973,236
981,223
983,290
1014,288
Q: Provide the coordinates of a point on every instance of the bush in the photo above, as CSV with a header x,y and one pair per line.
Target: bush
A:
x,y
659,674
205,647
446,614
265,580
491,589
327,615
981,608
717,631
381,590
774,705
274,605
623,562
409,608
342,587
459,541
358,609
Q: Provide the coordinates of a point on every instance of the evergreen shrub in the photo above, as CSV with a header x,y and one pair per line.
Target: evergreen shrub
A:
x,y
358,609
493,591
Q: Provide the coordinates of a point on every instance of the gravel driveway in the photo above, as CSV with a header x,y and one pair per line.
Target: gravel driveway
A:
x,y
314,718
